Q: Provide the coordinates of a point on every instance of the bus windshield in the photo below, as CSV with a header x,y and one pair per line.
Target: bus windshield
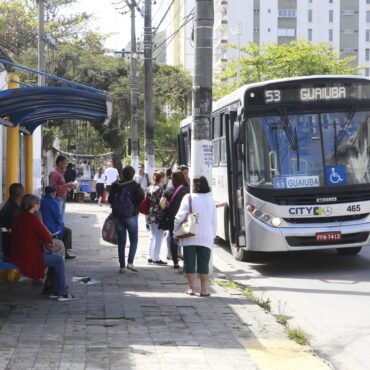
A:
x,y
286,151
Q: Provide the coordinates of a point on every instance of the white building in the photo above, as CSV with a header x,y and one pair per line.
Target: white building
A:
x,y
343,23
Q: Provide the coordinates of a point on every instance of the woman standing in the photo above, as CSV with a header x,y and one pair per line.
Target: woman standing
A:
x,y
30,247
171,200
125,198
100,179
154,193
197,249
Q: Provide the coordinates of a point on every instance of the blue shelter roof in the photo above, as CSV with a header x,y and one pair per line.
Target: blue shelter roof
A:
x,y
31,107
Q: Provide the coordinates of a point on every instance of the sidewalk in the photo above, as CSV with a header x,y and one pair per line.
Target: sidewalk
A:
x,y
138,320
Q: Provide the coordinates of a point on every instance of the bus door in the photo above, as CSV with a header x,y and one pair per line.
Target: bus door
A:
x,y
235,182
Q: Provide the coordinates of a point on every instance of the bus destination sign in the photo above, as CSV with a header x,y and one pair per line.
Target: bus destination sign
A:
x,y
308,94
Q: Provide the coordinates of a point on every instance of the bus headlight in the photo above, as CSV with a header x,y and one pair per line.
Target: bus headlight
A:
x,y
276,221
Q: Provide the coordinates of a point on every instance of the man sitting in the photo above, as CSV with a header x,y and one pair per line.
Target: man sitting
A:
x,y
52,219
7,215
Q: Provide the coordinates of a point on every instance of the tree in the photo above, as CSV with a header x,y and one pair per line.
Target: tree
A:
x,y
272,61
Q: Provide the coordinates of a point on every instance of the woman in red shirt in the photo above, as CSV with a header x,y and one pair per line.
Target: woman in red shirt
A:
x,y
28,253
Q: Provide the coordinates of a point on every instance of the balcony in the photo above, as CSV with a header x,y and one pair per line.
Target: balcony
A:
x,y
221,24
220,42
221,5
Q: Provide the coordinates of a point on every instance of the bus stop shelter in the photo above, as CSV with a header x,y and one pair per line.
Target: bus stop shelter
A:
x,y
24,108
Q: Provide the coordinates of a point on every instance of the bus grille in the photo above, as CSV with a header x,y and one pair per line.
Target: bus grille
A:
x,y
350,197
310,241
314,220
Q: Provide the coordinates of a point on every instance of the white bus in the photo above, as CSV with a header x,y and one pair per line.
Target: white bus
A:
x,y
291,165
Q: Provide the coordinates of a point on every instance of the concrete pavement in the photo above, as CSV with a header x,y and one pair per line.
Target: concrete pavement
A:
x,y
136,320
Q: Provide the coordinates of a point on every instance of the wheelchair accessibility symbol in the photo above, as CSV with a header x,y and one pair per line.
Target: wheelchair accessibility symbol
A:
x,y
336,175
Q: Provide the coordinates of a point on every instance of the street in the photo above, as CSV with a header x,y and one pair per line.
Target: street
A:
x,y
324,293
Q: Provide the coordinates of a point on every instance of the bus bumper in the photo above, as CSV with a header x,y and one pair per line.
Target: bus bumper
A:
x,y
265,238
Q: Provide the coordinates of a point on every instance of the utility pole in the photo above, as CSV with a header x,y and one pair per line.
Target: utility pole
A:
x,y
148,89
40,42
134,90
201,146
238,32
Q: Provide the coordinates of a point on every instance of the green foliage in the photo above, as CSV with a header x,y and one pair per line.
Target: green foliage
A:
x,y
298,335
272,61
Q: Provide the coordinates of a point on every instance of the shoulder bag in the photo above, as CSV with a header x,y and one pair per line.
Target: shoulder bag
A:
x,y
189,226
166,219
109,232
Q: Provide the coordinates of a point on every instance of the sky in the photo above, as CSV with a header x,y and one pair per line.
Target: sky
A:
x,y
108,19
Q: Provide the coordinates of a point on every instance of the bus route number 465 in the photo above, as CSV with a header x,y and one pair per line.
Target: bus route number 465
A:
x,y
354,208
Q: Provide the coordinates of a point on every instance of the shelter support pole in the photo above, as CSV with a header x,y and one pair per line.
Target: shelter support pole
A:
x,y
28,160
12,145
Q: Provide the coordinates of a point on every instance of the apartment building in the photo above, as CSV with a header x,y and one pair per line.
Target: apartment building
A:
x,y
345,24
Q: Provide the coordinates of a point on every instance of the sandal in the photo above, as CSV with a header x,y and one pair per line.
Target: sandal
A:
x,y
189,292
66,297
205,294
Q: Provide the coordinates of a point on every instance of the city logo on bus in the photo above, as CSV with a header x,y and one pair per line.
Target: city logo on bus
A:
x,y
311,211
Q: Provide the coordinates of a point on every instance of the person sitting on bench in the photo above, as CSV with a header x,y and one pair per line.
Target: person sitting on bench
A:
x,y
52,219
31,247
7,214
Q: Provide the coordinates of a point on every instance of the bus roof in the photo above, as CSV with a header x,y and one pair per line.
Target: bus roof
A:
x,y
238,95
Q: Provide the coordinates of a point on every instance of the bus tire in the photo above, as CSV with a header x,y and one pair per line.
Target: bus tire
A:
x,y
240,254
349,251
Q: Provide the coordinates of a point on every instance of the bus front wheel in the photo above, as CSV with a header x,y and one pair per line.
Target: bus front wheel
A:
x,y
349,251
240,254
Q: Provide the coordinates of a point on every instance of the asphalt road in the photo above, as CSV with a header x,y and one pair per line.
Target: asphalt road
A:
x,y
324,293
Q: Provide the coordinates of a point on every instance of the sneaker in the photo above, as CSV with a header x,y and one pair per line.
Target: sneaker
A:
x,y
69,256
160,262
66,297
131,267
176,266
150,260
122,270
180,256
169,258
53,296
147,227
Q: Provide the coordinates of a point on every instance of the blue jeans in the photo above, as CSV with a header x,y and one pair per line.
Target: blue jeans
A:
x,y
62,205
57,262
129,224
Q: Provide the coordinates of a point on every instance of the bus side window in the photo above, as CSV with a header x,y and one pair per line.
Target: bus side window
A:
x,y
224,125
216,125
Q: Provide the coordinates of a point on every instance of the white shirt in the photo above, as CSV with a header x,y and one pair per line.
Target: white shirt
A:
x,y
111,174
142,180
101,179
204,205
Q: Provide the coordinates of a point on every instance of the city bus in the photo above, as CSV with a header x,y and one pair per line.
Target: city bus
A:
x,y
291,165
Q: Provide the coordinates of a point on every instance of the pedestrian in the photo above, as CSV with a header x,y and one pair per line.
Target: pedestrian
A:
x,y
125,197
142,178
56,179
70,176
185,170
166,186
52,219
168,183
111,174
32,247
197,249
7,214
154,193
100,180
170,203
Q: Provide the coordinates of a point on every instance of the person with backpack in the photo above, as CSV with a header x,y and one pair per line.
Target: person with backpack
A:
x,y
125,197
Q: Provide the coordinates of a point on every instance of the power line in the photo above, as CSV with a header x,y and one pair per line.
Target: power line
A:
x,y
158,9
164,16
169,39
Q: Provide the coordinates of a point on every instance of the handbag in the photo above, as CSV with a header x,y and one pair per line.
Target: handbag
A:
x,y
144,206
189,226
109,232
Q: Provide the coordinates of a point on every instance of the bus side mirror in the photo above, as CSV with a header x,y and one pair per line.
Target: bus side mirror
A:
x,y
236,131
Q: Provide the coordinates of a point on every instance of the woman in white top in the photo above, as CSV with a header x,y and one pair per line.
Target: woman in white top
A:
x,y
100,179
197,249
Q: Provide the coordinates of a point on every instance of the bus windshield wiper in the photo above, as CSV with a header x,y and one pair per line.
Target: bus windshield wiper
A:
x,y
341,136
291,135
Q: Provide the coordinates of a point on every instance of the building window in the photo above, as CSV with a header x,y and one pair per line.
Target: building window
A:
x,y
310,15
269,11
367,16
349,31
331,35
269,29
309,36
367,1
367,72
256,11
289,32
367,35
349,50
367,54
349,12
287,13
256,30
330,1
331,16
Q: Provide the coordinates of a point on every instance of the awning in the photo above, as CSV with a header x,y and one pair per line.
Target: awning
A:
x,y
31,107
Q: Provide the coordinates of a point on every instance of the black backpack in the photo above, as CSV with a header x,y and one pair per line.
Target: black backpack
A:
x,y
123,205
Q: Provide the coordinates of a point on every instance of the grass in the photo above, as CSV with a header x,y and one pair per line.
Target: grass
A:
x,y
298,335
281,319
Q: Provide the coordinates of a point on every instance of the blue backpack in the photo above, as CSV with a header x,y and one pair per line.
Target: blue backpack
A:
x,y
122,205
